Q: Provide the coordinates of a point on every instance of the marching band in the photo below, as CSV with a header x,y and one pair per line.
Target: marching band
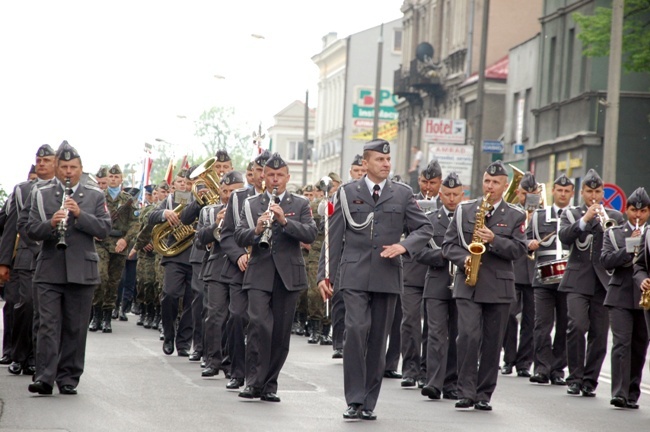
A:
x,y
230,264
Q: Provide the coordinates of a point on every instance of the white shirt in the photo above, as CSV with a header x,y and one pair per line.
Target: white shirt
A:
x,y
371,185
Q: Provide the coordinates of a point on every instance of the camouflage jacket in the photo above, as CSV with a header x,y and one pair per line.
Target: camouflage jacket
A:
x,y
122,210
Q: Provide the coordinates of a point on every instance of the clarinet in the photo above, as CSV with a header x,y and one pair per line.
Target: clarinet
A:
x,y
265,240
62,226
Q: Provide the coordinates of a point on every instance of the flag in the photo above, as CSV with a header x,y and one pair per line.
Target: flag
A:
x,y
169,174
147,165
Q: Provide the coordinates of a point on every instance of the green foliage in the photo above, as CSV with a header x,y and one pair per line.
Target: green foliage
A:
x,y
596,29
3,196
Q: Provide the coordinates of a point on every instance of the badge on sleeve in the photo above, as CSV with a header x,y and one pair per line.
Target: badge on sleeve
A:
x,y
522,228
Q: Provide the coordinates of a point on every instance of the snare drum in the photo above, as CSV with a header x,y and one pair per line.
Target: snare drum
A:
x,y
551,272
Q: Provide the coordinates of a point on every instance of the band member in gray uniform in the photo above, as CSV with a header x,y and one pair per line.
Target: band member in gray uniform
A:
x,y
483,309
584,282
440,307
520,356
17,263
275,275
371,214
233,273
414,334
628,325
66,219
550,304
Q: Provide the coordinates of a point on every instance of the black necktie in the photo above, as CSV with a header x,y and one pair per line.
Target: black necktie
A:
x,y
375,194
68,192
450,215
559,212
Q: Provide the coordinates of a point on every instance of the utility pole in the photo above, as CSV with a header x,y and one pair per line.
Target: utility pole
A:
x,y
610,140
305,140
478,128
380,51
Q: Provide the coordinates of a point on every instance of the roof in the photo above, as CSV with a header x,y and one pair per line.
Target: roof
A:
x,y
497,71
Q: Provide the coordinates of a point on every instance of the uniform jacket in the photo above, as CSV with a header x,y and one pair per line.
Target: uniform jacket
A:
x,y
156,217
496,278
78,262
356,253
621,292
642,261
545,222
284,255
27,250
230,271
583,266
415,272
205,237
437,279
124,222
524,266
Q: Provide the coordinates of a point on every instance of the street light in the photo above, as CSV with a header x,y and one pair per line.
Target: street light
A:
x,y
219,77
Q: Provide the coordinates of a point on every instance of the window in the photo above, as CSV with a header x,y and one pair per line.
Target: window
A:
x,y
551,71
397,40
526,116
568,82
296,150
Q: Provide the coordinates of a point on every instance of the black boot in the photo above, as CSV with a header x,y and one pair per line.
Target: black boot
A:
x,y
97,318
141,315
125,306
325,338
115,313
106,322
156,318
315,331
148,321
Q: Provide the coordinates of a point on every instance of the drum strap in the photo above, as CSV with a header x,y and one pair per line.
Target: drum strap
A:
x,y
535,223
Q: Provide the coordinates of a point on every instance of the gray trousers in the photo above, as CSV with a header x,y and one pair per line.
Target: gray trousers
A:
x,y
61,341
177,286
218,295
550,310
368,319
23,334
629,348
414,334
520,354
237,323
442,318
394,350
198,315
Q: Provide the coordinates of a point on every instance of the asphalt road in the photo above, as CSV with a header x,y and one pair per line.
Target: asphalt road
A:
x,y
129,385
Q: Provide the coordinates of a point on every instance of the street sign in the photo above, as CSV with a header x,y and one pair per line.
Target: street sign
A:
x,y
518,148
443,131
614,197
489,146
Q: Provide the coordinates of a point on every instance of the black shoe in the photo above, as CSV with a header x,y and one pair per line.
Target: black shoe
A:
x,y
168,347
430,392
203,364
618,402
162,334
209,372
573,389
421,383
29,370
588,391
270,397
367,414
182,352
451,395
95,322
523,373
507,369
67,389
195,356
558,380
352,413
114,314
235,383
539,379
15,368
40,387
337,354
106,322
483,406
632,405
408,382
392,374
121,315
464,404
250,392
5,360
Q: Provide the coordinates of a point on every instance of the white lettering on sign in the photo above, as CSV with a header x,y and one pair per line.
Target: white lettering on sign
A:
x,y
444,131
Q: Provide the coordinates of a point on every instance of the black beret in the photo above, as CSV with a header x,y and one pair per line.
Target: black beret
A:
x,y
433,170
45,150
378,145
563,180
275,162
66,152
528,182
308,188
496,168
452,180
638,199
182,173
262,158
592,179
115,169
232,177
133,191
32,170
148,189
103,172
222,156
357,160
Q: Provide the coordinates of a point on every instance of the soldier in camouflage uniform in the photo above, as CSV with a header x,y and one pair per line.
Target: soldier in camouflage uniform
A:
x,y
300,323
113,250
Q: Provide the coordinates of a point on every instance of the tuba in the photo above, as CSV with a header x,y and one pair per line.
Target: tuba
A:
x,y
476,247
510,195
183,235
645,300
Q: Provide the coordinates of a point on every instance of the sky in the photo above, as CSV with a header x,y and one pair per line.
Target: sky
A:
x,y
108,76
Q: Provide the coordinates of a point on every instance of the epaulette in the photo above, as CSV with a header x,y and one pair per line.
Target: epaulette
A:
x,y
472,201
93,187
299,196
519,209
46,186
403,185
241,189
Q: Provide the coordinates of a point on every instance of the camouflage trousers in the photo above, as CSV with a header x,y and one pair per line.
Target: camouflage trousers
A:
x,y
111,266
148,286
315,303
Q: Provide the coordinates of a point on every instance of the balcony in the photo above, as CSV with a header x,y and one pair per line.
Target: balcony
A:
x,y
418,78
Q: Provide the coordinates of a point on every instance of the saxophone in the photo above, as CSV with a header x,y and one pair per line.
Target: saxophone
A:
x,y
476,247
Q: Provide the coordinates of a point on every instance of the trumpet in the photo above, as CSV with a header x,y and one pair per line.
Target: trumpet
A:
x,y
62,226
217,231
605,221
265,240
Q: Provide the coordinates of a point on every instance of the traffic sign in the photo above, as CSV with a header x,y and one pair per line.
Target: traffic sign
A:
x,y
492,146
614,197
518,148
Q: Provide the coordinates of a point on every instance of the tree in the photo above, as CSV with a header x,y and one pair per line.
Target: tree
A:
x,y
218,129
3,196
595,34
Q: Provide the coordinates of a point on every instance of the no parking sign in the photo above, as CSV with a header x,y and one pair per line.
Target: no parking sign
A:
x,y
614,197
